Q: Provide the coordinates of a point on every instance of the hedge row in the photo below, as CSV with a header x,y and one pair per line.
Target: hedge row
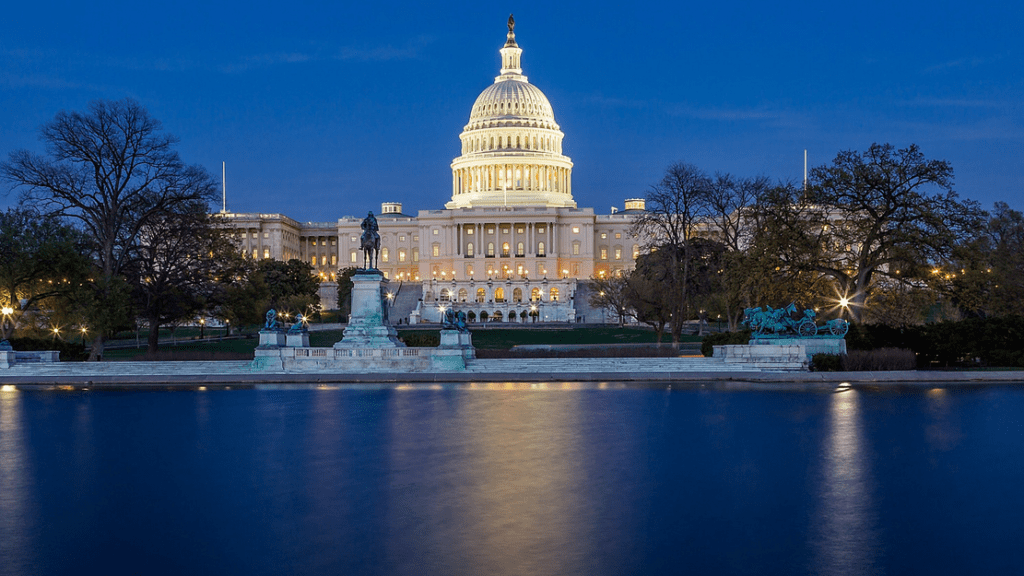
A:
x,y
69,351
970,342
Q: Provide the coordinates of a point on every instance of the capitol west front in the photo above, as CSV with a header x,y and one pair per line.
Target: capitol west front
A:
x,y
510,246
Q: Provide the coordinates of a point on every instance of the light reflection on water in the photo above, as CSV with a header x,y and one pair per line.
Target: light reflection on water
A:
x,y
844,533
510,478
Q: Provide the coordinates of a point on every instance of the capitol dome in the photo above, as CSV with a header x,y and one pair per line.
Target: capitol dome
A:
x,y
512,146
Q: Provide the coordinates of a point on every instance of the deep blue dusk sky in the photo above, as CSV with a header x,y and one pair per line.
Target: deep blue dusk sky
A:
x,y
326,109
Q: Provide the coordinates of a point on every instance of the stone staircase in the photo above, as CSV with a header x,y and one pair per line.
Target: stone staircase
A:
x,y
571,366
611,368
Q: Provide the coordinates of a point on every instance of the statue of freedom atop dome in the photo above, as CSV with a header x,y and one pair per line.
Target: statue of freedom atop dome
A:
x,y
370,241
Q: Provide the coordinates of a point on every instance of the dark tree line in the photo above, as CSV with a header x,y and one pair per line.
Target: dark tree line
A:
x,y
877,236
117,227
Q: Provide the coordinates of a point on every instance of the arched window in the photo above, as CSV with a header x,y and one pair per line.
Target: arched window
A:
x,y
401,255
497,316
535,295
483,316
554,295
471,316
469,249
576,248
520,249
540,249
463,295
517,295
505,249
499,294
481,294
383,254
446,295
490,249
636,251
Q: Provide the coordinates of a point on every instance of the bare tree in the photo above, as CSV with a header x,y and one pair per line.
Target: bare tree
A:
x,y
674,209
115,171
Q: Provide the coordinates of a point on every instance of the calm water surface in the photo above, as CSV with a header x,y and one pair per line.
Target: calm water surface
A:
x,y
455,480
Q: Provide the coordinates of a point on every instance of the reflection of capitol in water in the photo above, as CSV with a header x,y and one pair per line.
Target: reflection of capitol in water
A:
x,y
510,244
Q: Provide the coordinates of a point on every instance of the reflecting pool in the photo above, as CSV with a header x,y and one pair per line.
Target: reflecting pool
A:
x,y
513,479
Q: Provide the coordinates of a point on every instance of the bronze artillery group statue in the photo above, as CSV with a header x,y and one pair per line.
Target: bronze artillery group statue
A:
x,y
784,322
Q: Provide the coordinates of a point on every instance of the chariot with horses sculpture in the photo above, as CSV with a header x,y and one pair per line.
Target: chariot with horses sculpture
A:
x,y
784,322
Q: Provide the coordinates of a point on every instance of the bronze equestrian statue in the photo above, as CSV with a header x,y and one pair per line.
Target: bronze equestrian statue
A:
x,y
370,242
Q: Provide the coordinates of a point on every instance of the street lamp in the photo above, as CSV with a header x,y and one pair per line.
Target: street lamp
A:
x,y
202,326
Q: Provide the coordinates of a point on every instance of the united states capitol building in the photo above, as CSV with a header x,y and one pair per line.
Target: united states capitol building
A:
x,y
510,246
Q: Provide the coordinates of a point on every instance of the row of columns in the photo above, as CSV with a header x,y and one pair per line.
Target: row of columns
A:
x,y
496,178
457,238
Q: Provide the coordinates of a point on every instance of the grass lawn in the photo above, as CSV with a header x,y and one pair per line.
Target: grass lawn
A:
x,y
491,338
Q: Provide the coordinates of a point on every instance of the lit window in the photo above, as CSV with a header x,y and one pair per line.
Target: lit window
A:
x,y
401,238
384,254
490,230
604,235
254,235
504,229
313,260
505,249
401,255
636,251
499,294
266,234
553,295
435,232
490,248
576,248
415,238
540,230
540,249
604,253
334,259
618,253
436,250
481,294
470,231
520,249
575,229
323,260
618,235
266,252
469,249
520,230
352,256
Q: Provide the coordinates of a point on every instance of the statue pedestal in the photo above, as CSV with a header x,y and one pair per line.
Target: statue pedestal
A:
x,y
368,325
455,340
297,339
272,339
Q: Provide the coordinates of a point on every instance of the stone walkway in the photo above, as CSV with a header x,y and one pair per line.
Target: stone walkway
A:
x,y
636,370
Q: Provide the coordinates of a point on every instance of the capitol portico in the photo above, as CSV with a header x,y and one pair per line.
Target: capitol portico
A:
x,y
510,245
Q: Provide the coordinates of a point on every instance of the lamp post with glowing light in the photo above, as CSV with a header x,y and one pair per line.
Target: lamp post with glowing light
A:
x,y
202,327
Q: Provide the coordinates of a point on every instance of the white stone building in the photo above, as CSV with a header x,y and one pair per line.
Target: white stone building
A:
x,y
511,245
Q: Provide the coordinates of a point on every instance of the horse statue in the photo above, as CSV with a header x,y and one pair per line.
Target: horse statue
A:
x,y
370,242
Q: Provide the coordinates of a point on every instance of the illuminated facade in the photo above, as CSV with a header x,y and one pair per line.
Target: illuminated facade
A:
x,y
511,243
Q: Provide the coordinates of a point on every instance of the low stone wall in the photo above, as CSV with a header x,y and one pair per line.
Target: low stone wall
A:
x,y
398,359
779,357
9,358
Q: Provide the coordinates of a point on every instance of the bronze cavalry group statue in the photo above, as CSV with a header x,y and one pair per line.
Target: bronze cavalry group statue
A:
x,y
785,322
